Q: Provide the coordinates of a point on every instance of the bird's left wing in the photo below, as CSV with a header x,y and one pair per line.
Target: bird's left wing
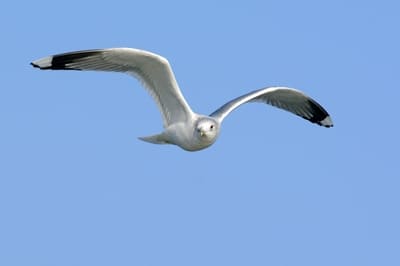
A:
x,y
151,69
291,100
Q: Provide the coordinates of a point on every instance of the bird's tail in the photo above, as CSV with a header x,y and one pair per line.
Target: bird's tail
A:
x,y
155,139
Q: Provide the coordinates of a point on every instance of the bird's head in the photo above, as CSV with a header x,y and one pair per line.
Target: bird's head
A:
x,y
206,130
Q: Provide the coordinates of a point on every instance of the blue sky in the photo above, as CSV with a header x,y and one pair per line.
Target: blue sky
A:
x,y
78,188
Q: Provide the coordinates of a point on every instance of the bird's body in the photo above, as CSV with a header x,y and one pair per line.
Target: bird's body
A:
x,y
196,133
182,126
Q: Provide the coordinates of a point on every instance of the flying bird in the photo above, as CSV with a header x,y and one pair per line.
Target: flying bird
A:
x,y
182,127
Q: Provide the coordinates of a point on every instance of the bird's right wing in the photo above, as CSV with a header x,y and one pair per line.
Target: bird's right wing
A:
x,y
288,99
151,69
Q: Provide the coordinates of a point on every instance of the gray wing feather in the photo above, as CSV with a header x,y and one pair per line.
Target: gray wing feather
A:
x,y
152,70
288,99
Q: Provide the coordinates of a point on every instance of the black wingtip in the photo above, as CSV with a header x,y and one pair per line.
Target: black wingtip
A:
x,y
62,61
319,115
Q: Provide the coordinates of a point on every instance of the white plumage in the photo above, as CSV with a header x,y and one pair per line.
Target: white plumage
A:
x,y
183,127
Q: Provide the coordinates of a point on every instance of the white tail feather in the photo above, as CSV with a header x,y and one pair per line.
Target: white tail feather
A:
x,y
155,139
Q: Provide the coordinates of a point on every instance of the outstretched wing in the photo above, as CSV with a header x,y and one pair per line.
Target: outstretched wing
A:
x,y
288,99
151,69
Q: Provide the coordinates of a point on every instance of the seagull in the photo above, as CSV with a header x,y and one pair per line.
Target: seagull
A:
x,y
182,127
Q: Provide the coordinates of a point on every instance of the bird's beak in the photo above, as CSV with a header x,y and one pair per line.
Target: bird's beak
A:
x,y
202,133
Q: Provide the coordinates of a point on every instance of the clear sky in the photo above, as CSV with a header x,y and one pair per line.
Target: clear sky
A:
x,y
78,188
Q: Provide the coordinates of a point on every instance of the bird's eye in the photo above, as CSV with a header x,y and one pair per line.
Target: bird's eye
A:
x,y
212,126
